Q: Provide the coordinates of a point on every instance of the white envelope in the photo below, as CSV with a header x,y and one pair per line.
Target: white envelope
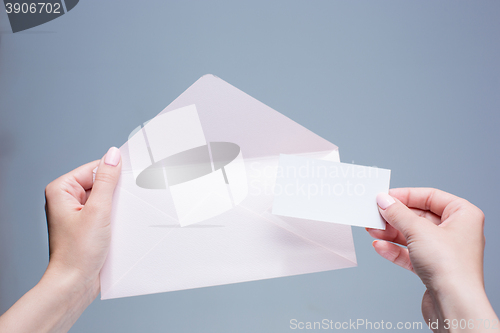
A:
x,y
192,207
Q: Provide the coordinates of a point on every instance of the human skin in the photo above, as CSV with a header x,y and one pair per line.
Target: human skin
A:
x,y
78,220
440,237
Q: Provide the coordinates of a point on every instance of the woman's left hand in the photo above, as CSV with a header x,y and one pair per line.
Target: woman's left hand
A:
x,y
78,218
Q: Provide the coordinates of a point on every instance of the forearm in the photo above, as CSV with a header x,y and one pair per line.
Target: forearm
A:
x,y
53,305
466,309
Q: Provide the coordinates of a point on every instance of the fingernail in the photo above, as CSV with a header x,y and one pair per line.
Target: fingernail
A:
x,y
384,200
93,173
112,156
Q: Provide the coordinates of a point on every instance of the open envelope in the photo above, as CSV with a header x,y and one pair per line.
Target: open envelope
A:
x,y
192,207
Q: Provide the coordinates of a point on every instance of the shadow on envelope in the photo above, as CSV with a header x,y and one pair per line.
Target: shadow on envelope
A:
x,y
189,226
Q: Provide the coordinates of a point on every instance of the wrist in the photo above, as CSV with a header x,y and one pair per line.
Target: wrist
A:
x,y
463,300
75,289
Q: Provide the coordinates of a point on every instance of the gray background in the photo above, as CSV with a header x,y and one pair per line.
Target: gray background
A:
x,y
410,86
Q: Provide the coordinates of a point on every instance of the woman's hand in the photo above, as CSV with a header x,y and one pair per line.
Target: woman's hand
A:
x,y
439,237
78,219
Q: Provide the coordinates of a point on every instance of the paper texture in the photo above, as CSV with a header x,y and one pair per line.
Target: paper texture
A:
x,y
328,191
192,207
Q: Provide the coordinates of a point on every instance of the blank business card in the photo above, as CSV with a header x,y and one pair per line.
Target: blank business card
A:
x,y
327,191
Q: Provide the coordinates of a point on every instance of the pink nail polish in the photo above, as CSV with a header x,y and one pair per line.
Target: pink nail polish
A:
x,y
384,200
93,173
112,156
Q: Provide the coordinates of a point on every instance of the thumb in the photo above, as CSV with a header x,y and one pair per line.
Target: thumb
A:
x,y
399,215
106,178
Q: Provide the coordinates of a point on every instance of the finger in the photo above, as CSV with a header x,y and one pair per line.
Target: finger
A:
x,y
463,214
430,199
107,175
72,185
83,174
400,216
389,234
428,215
87,194
394,253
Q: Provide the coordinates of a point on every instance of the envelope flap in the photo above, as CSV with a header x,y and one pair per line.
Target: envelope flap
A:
x,y
228,114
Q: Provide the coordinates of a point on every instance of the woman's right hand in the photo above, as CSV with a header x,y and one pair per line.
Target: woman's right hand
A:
x,y
439,237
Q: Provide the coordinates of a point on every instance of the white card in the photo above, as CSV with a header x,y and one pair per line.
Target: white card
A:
x,y
328,191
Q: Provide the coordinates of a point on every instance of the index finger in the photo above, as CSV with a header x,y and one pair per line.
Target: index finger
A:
x,y
83,174
72,185
427,199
